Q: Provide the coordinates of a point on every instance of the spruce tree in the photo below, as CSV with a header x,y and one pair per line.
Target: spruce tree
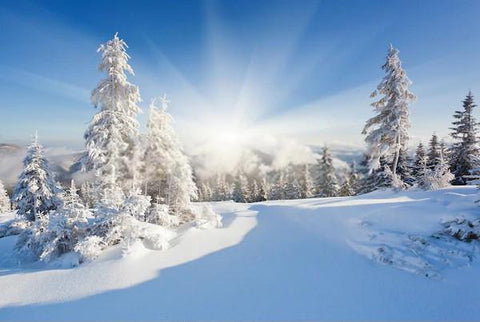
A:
x,y
36,192
326,182
387,132
464,153
4,199
239,188
419,161
404,169
113,132
306,182
169,173
433,154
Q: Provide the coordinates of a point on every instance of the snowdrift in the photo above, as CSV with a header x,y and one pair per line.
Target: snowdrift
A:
x,y
379,256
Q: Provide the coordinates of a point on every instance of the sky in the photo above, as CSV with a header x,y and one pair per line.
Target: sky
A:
x,y
237,72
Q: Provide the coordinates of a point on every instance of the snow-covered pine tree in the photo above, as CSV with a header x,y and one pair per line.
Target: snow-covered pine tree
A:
x,y
169,172
326,184
73,208
436,178
350,185
291,185
376,179
263,190
306,182
67,226
240,188
419,161
404,169
433,154
87,194
276,191
113,132
4,199
387,132
464,153
36,192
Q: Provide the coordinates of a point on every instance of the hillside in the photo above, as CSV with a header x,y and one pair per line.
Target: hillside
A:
x,y
376,256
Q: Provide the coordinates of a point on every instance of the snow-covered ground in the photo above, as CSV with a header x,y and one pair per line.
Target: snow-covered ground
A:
x,y
375,256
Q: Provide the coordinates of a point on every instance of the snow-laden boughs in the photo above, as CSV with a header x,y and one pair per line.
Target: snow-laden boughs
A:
x,y
136,204
387,132
57,232
326,184
113,131
169,174
4,199
436,178
434,150
158,214
464,153
36,192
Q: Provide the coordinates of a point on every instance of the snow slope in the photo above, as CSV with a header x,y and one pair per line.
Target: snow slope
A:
x,y
312,259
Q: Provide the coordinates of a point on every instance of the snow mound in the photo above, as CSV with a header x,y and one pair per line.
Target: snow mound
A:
x,y
421,239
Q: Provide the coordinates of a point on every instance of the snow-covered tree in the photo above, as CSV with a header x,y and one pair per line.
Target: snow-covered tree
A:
x,y
326,184
136,204
349,186
436,178
306,182
433,154
36,192
376,179
113,132
4,199
277,191
387,132
419,161
88,194
168,170
240,190
404,169
73,208
57,232
465,152
291,186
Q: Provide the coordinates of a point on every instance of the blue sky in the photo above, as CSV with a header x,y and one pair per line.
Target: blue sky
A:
x,y
299,69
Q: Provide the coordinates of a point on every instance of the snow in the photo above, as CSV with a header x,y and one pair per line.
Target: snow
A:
x,y
311,259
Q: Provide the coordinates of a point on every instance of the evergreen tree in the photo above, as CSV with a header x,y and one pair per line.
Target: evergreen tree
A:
x,y
350,185
404,169
436,178
73,208
113,132
291,186
36,192
4,199
420,160
377,178
239,189
387,132
326,182
306,182
464,154
277,191
88,195
433,155
169,172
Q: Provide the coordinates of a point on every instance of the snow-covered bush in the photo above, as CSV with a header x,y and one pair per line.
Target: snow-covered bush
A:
x,y
136,205
462,229
206,217
160,215
89,248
